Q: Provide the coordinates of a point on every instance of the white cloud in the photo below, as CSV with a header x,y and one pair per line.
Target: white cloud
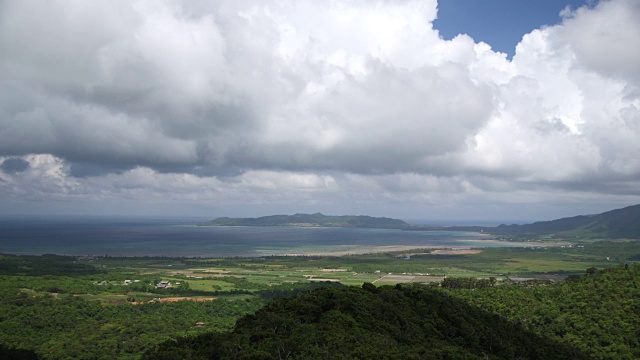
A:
x,y
602,38
45,178
243,102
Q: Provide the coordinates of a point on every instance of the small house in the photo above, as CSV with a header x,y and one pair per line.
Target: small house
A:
x,y
163,284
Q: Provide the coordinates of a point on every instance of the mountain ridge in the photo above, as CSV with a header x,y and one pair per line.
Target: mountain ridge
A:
x,y
617,223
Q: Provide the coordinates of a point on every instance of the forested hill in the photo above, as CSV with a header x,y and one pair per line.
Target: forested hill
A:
x,y
619,223
312,220
595,316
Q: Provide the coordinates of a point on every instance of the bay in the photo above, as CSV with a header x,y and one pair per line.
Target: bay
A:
x,y
177,237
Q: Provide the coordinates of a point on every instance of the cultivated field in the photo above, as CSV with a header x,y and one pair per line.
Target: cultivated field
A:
x,y
233,276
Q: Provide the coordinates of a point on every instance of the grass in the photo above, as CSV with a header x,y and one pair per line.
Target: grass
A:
x,y
255,274
224,277
210,285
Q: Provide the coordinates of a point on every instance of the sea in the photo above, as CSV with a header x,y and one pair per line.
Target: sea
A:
x,y
180,237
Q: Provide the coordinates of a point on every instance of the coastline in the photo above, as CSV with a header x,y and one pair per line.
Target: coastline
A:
x,y
361,250
449,250
169,239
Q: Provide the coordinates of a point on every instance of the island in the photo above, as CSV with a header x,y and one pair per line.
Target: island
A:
x,y
614,224
313,220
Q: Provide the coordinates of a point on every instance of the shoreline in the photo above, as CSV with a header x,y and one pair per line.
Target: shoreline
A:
x,y
376,249
338,251
360,251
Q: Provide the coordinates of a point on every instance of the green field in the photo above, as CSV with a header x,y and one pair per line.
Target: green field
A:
x,y
106,307
261,273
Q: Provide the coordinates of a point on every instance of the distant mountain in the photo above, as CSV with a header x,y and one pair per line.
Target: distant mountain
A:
x,y
614,224
312,220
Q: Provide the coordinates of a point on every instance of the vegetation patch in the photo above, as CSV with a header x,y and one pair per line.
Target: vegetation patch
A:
x,y
573,320
103,309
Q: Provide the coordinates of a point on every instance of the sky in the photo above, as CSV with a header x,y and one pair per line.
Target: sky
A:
x,y
500,23
496,110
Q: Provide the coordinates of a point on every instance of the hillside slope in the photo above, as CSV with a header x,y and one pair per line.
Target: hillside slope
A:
x,y
595,316
615,224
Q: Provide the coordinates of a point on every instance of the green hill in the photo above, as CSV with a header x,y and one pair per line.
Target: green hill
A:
x,y
615,224
312,220
594,316
369,323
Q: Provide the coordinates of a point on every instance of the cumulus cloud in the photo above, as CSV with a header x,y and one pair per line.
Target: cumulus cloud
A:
x,y
312,102
568,116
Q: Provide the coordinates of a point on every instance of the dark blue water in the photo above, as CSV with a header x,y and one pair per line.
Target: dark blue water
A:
x,y
177,237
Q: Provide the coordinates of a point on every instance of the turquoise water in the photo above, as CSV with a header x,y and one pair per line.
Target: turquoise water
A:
x,y
177,237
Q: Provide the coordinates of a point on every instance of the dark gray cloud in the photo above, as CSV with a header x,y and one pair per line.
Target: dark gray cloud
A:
x,y
14,165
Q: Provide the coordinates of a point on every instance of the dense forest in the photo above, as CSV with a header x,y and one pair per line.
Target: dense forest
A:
x,y
49,309
594,316
56,307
